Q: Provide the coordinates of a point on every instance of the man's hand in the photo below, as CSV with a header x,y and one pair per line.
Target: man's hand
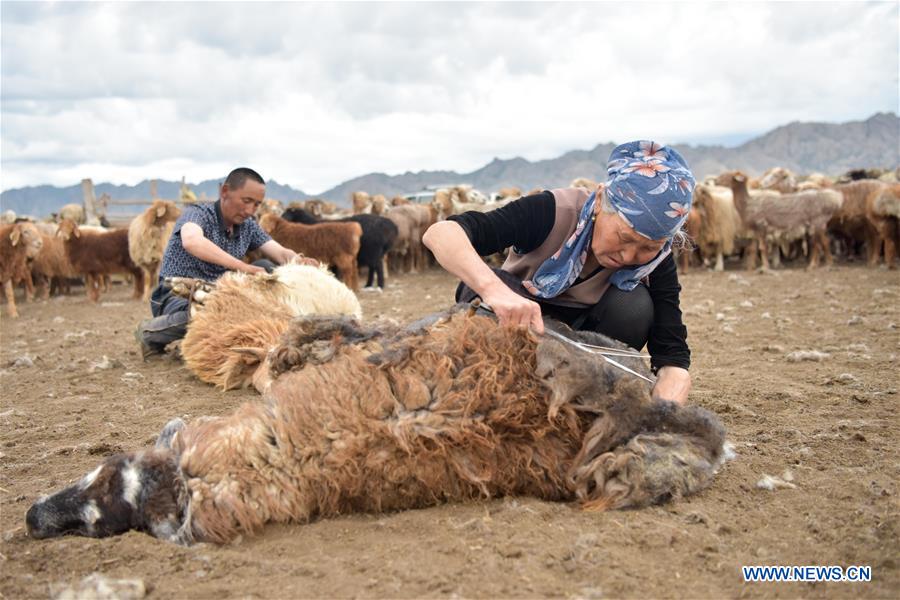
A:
x,y
513,309
251,269
672,383
299,259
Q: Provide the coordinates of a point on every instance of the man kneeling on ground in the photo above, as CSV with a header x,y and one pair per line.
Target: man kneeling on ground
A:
x,y
208,240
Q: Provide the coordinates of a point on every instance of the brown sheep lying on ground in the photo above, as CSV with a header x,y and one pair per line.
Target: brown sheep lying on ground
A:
x,y
335,244
236,324
96,254
19,242
148,235
453,408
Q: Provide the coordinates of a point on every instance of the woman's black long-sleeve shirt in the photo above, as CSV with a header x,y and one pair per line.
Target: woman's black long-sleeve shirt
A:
x,y
526,223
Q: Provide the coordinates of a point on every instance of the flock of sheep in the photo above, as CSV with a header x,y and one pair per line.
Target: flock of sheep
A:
x,y
775,217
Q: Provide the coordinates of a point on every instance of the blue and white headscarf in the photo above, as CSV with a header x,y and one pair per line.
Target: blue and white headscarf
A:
x,y
650,186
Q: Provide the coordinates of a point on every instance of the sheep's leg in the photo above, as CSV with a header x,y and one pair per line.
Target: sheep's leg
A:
x,y
720,260
825,243
44,284
890,251
93,282
750,256
763,251
685,260
138,275
379,272
10,298
150,275
814,254
29,287
873,246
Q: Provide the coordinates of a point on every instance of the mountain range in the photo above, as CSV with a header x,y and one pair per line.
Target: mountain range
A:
x,y
830,148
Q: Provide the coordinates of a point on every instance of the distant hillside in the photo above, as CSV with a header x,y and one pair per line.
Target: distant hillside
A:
x,y
802,147
43,200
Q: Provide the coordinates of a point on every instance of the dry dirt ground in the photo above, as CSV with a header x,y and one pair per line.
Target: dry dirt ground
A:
x,y
830,423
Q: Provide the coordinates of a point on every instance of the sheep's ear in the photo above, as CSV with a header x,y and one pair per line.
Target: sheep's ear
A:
x,y
167,435
14,236
76,231
255,355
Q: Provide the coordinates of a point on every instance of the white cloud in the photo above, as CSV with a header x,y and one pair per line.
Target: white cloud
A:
x,y
312,94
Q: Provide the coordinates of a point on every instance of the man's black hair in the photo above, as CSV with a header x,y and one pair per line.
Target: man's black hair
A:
x,y
237,178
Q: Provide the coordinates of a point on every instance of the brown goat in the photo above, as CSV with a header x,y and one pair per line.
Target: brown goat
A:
x,y
335,244
19,242
148,235
96,254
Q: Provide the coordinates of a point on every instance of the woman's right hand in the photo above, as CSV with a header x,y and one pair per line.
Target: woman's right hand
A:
x,y
513,309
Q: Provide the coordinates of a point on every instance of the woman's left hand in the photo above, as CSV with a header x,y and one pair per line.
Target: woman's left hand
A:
x,y
672,383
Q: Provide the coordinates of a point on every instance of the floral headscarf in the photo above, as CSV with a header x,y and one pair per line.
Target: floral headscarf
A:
x,y
650,186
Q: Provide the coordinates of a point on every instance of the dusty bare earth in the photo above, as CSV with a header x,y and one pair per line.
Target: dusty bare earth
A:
x,y
832,423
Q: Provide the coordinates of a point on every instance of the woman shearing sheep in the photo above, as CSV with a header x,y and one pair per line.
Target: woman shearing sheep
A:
x,y
597,261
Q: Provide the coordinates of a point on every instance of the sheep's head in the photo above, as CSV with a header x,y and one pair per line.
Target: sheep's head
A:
x,y
270,205
68,229
28,236
268,222
143,491
164,211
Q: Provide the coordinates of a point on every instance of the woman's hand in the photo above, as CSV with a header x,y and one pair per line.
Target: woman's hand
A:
x,y
672,383
513,309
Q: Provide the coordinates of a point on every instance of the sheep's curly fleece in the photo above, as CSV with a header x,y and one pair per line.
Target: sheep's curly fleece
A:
x,y
454,408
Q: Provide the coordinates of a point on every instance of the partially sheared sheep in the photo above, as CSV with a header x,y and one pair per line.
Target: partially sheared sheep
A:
x,y
453,409
243,317
148,235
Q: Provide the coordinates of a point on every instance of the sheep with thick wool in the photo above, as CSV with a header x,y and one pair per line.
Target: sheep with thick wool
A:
x,y
719,222
766,212
242,318
148,234
19,242
452,409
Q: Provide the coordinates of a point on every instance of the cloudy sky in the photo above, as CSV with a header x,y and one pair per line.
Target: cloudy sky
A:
x,y
312,94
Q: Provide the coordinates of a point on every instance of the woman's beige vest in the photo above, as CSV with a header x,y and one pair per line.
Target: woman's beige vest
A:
x,y
569,202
